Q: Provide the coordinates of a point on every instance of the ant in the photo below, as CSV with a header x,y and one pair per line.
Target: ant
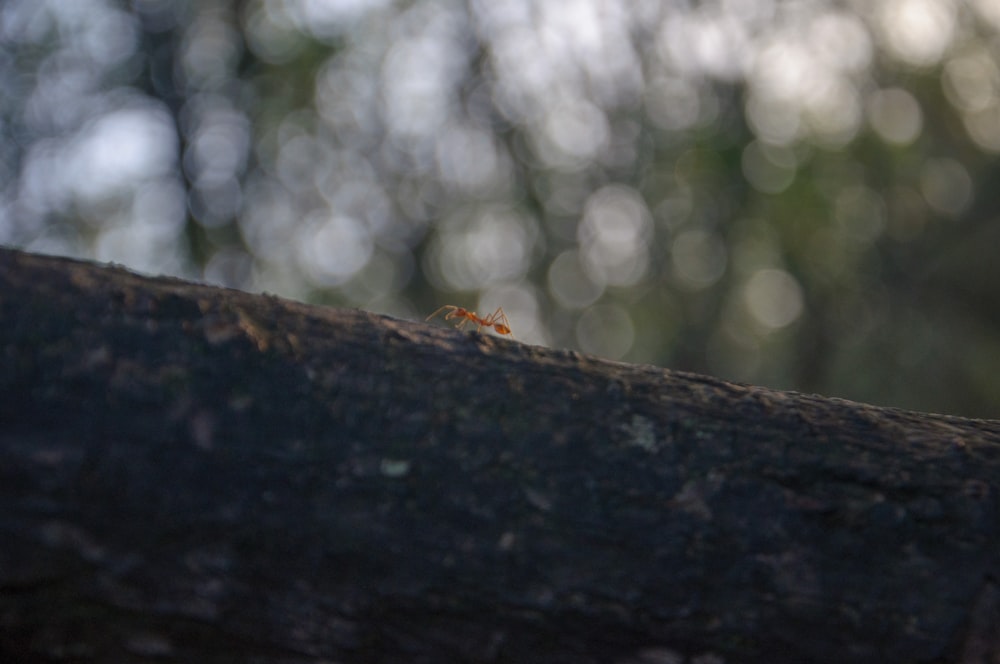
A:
x,y
497,320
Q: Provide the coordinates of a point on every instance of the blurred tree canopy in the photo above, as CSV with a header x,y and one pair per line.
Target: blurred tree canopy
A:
x,y
795,193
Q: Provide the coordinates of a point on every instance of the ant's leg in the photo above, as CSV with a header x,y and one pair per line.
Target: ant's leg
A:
x,y
490,319
486,321
465,320
498,321
500,316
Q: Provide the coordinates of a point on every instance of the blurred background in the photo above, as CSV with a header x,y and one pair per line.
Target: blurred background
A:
x,y
803,194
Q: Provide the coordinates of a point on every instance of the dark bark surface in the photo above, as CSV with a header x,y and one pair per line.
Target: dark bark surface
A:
x,y
198,474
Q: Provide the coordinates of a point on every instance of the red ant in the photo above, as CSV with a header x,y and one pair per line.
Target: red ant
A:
x,y
497,320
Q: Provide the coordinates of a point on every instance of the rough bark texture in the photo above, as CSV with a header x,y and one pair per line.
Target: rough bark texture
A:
x,y
197,474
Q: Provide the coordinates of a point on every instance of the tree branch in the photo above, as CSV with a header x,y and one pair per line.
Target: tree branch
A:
x,y
198,474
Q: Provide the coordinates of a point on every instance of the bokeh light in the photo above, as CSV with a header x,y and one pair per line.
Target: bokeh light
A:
x,y
773,191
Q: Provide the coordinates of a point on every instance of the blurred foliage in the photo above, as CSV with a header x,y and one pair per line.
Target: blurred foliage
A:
x,y
786,192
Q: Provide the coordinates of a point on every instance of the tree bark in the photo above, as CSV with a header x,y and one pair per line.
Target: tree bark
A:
x,y
191,473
